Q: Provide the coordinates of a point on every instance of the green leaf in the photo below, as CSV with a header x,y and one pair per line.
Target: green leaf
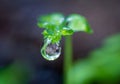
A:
x,y
56,26
67,31
43,25
78,23
56,38
52,19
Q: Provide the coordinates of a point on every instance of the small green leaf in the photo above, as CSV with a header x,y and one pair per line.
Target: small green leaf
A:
x,y
67,31
43,25
56,38
51,19
78,23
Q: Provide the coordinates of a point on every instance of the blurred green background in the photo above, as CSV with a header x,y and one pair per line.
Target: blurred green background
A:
x,y
96,57
102,66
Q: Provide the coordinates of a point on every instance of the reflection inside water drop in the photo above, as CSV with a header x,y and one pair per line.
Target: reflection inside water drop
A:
x,y
50,51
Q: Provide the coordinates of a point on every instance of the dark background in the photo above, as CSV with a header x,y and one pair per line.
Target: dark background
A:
x,y
20,38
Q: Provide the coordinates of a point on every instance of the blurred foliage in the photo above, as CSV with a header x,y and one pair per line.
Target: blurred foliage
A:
x,y
101,67
15,73
56,25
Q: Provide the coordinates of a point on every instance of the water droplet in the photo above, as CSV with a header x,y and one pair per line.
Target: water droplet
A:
x,y
50,51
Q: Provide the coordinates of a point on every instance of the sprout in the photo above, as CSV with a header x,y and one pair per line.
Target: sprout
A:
x,y
56,26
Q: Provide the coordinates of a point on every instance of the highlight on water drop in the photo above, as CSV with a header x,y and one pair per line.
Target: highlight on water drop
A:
x,y
50,51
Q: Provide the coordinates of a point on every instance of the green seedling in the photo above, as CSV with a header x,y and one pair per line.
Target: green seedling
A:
x,y
55,26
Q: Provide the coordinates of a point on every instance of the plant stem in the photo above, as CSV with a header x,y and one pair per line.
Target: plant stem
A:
x,y
68,52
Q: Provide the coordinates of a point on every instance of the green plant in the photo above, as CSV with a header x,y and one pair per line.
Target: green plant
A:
x,y
56,26
101,67
17,72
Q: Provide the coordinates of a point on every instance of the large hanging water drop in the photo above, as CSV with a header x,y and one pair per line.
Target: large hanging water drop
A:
x,y
50,51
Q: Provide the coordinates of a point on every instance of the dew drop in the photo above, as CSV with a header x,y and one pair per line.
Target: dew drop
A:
x,y
50,51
